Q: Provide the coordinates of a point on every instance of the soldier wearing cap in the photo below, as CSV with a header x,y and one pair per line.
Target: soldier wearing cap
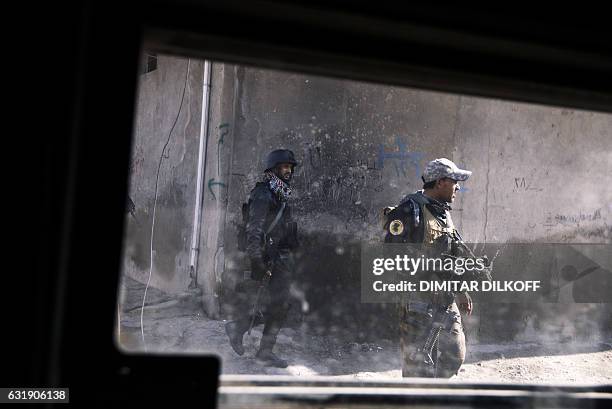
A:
x,y
424,217
270,238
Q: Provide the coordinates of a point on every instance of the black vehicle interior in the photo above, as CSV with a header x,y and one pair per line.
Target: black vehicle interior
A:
x,y
561,59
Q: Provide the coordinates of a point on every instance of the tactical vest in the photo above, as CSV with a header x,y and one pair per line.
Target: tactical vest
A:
x,y
427,228
433,227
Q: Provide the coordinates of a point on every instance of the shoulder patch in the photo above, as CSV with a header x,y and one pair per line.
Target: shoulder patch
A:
x,y
396,227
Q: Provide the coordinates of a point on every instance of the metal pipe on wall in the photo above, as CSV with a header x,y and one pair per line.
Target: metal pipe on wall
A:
x,y
195,236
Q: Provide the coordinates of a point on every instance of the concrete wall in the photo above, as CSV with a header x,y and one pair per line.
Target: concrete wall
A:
x,y
159,100
540,175
216,198
363,146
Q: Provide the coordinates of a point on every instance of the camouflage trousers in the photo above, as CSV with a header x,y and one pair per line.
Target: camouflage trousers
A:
x,y
449,350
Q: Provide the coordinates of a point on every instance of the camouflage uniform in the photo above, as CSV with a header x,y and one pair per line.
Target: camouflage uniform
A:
x,y
420,219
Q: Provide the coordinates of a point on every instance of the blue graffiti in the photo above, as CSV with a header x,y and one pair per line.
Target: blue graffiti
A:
x,y
401,157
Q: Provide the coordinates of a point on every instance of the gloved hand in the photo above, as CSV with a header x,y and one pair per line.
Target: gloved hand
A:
x,y
258,269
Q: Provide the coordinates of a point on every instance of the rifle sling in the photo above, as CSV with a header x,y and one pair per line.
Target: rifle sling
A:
x,y
276,219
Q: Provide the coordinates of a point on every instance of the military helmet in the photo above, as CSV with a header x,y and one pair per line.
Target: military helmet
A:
x,y
280,156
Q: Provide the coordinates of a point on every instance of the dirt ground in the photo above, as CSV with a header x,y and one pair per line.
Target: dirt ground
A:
x,y
169,327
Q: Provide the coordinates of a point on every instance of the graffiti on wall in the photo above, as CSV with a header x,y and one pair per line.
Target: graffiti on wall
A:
x,y
522,184
211,183
402,159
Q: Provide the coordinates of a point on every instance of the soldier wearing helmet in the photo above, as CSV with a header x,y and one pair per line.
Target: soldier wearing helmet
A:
x,y
270,238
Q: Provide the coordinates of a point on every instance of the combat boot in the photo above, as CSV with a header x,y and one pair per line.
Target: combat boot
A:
x,y
235,331
266,357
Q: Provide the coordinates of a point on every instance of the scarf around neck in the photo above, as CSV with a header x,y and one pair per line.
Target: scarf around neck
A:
x,y
278,186
438,208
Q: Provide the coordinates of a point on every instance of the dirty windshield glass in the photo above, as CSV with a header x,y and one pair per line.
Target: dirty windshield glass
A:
x,y
309,226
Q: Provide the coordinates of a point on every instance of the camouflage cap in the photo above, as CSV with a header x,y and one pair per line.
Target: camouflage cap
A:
x,y
444,168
